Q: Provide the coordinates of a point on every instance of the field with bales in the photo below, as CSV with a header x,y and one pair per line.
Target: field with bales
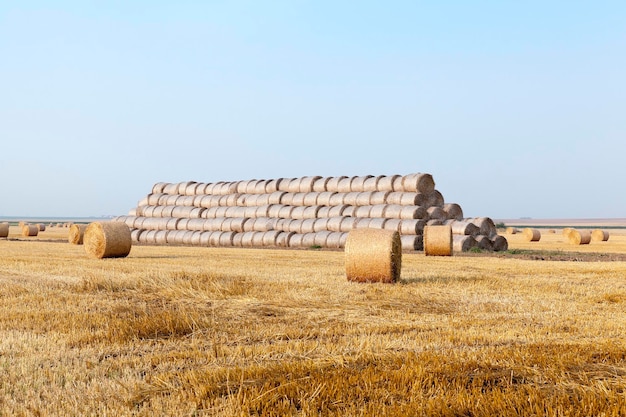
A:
x,y
173,330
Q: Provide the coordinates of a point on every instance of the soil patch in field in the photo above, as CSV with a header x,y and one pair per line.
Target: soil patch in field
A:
x,y
537,255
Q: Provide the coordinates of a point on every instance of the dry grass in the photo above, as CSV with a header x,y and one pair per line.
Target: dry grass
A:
x,y
236,332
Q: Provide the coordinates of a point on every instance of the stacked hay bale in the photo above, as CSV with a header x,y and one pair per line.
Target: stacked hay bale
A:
x,y
304,212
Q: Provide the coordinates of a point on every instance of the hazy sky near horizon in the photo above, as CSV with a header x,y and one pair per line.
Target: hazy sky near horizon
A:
x,y
517,109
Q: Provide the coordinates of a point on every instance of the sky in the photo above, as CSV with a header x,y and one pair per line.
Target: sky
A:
x,y
517,109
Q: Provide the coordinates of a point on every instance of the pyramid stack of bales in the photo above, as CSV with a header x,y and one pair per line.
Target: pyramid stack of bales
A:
x,y
304,212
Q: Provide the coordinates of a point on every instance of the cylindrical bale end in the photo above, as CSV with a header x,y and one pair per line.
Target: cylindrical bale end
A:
x,y
579,237
599,235
76,234
107,240
373,255
531,235
438,240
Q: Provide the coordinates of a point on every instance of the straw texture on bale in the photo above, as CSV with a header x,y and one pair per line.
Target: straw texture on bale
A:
x,y
483,242
373,255
423,183
453,211
531,235
412,242
464,228
579,237
107,240
499,243
511,230
598,235
463,243
76,233
30,230
4,229
438,240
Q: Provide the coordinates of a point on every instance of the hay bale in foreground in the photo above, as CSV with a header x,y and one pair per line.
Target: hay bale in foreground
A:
x,y
531,235
4,229
579,237
107,240
438,240
373,255
599,235
76,234
30,230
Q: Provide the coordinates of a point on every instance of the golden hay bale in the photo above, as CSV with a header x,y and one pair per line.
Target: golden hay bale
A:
x,y
438,240
599,235
499,243
511,230
531,235
30,230
77,231
107,239
422,183
373,255
551,231
463,243
579,237
42,227
566,231
4,229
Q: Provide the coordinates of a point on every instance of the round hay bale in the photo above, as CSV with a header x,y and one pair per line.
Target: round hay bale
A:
x,y
453,211
324,198
333,240
307,226
136,235
336,199
464,228
463,243
373,255
350,198
347,224
294,185
272,186
107,240
412,212
363,198
285,212
579,237
386,183
311,212
259,188
438,240
152,199
419,182
237,240
76,233
437,213
283,238
334,224
531,235
308,240
196,238
362,211
295,241
486,225
185,200
320,238
377,223
412,243
226,239
349,211
170,188
42,227
598,235
337,211
159,187
483,242
310,198
31,230
378,210
345,185
566,231
283,184
379,197
323,211
291,225
306,183
333,183
320,224
247,239
297,199
362,223
411,226
320,184
4,229
393,224
402,198
298,212
499,243
276,197
263,211
434,222
205,238
397,184
511,230
358,183
371,184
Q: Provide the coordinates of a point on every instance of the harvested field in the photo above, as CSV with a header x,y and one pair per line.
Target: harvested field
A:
x,y
231,331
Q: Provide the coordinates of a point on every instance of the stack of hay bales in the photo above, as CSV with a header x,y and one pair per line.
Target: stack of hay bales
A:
x,y
303,212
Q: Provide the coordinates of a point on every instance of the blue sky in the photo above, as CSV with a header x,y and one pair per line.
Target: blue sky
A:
x,y
515,108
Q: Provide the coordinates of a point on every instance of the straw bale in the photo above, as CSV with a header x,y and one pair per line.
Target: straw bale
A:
x,y
182,224
336,199
320,225
334,224
483,242
324,211
246,200
434,222
210,213
598,235
221,211
247,239
298,212
196,224
160,237
196,238
152,199
291,225
405,198
306,183
412,242
107,240
347,224
311,212
283,239
438,213
168,200
294,185
386,183
321,238
246,186
453,211
159,187
411,226
135,235
310,198
187,188
378,210
373,255
308,240
295,241
285,212
263,211
185,200
345,185
531,235
268,238
298,199
363,198
307,226
358,183
377,223
131,212
188,236
260,188
226,239
463,228
320,184
238,211
230,200
463,243
137,222
438,240
434,198
271,186
362,223
499,243
160,210
351,198
238,240
362,211
379,197
333,240
175,236
31,230
209,189
511,230
248,212
333,183
412,212
77,231
566,231
170,188
42,227
393,224
349,211
273,210
579,237
419,182
397,184
371,184
486,225
324,198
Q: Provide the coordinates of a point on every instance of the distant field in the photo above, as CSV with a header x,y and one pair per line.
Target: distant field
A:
x,y
227,332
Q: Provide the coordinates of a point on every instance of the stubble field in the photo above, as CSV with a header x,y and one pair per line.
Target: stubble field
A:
x,y
228,332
